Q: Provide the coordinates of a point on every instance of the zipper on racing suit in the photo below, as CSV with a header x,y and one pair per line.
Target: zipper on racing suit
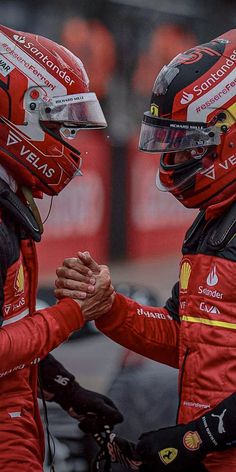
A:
x,y
181,382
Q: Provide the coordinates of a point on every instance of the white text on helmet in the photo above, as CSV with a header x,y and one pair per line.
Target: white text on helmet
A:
x,y
214,77
32,158
75,98
212,170
45,59
29,156
5,67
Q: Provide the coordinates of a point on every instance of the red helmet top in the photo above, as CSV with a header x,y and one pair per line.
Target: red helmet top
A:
x,y
192,123
45,100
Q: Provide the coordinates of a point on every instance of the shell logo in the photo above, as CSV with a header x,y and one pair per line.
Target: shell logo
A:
x,y
168,455
19,280
192,440
185,272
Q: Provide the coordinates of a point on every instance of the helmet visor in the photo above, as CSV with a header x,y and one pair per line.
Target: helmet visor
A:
x,y
163,135
81,110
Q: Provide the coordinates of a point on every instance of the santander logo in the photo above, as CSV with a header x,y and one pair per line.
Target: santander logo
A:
x,y
19,39
212,278
186,98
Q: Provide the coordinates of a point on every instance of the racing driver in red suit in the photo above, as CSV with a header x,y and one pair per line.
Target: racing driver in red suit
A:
x,y
192,124
44,101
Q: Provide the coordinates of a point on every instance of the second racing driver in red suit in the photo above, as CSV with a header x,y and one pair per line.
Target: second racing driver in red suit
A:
x,y
191,123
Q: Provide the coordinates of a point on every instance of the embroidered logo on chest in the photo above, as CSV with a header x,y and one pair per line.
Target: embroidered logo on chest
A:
x,y
19,281
185,272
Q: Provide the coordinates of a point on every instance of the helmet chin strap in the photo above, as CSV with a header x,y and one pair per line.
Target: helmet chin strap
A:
x,y
159,185
32,206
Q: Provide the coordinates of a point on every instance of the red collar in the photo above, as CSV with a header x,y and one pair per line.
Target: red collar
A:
x,y
226,198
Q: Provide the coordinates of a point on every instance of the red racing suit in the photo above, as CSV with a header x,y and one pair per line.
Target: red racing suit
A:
x,y
24,339
195,330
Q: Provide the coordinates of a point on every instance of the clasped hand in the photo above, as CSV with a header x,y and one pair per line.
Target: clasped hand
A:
x,y
87,282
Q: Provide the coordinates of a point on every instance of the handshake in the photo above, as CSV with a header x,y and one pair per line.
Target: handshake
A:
x,y
88,283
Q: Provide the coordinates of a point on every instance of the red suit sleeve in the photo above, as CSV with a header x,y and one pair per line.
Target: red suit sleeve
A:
x,y
149,331
35,336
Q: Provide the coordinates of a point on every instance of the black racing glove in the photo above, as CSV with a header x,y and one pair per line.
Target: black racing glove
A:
x,y
93,410
184,446
174,449
114,449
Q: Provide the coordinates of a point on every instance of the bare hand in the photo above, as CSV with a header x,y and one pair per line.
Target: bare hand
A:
x,y
102,299
69,285
77,273
88,261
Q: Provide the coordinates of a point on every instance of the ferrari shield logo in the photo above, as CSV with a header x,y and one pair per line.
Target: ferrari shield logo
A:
x,y
154,109
168,455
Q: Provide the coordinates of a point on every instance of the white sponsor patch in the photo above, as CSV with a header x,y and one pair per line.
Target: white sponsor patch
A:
x,y
5,66
76,98
212,278
209,308
196,405
15,414
186,98
221,428
153,314
210,293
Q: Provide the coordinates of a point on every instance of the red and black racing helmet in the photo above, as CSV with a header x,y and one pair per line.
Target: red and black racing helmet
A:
x,y
192,122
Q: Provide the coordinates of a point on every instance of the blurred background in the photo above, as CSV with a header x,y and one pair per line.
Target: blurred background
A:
x,y
114,210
